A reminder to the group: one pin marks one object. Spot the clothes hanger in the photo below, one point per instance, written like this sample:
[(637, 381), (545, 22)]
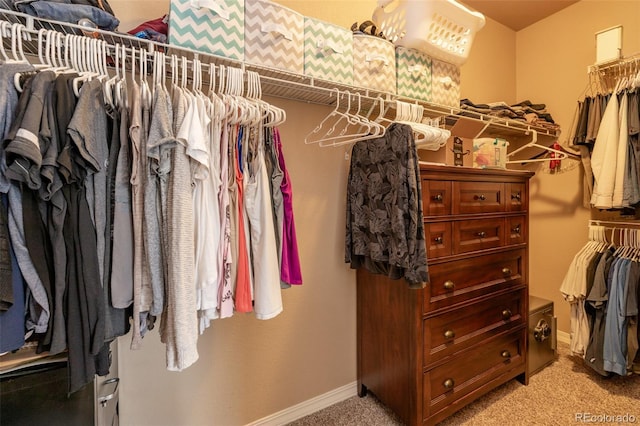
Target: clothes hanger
[(354, 126), (561, 155), (87, 55), (361, 127), (373, 128)]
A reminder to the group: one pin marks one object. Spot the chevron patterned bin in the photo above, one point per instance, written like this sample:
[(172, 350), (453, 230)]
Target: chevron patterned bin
[(413, 70), (374, 63), (212, 26), (445, 83), (328, 51), (274, 36)]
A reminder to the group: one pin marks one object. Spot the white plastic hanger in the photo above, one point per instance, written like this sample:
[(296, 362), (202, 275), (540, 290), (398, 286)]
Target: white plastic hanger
[(368, 130), (354, 126), (561, 155)]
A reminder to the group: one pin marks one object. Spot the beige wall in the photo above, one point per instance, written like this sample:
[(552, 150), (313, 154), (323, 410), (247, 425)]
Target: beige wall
[(551, 60), (249, 369)]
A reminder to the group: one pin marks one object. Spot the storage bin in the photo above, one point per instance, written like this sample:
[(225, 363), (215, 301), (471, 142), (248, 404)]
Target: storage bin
[(413, 71), (490, 153), (374, 63), (328, 51), (211, 26), (445, 83), (274, 36), (442, 29)]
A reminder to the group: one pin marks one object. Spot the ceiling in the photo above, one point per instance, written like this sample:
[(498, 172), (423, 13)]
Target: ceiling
[(518, 14)]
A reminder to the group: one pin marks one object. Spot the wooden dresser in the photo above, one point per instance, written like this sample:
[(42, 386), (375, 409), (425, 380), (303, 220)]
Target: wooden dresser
[(427, 353)]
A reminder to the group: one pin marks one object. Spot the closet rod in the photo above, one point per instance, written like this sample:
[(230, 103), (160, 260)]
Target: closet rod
[(618, 63), (275, 82), (613, 222)]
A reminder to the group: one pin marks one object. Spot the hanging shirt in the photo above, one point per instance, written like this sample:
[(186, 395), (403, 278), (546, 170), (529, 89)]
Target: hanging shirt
[(291, 272), (615, 335), (138, 163), (264, 252), (603, 158), (243, 286), (123, 251), (386, 169), (38, 309), (181, 325), (621, 155)]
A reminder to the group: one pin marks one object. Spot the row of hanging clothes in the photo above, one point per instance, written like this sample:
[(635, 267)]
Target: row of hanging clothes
[(602, 287), (607, 134), (132, 198), (384, 226)]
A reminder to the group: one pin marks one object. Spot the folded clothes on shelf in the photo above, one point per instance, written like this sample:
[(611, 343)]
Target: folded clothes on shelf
[(534, 114)]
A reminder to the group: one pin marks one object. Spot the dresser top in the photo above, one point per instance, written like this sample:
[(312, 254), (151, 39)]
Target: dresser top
[(435, 171)]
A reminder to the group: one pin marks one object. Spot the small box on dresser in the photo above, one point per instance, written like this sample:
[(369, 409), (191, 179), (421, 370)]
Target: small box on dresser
[(215, 27), (328, 51), (274, 36), (413, 70), (426, 353), (374, 63)]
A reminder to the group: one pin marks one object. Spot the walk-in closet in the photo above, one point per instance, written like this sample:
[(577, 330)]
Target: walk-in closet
[(305, 212)]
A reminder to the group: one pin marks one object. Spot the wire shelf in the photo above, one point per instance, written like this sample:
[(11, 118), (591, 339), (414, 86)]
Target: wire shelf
[(275, 83)]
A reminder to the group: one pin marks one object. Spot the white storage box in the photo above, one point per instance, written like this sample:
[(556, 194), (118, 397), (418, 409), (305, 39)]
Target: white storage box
[(443, 29), (328, 51), (212, 26), (413, 70), (374, 63), (274, 36), (445, 83)]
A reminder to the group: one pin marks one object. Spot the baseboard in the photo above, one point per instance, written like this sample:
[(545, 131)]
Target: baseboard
[(308, 407), (564, 337), (332, 397)]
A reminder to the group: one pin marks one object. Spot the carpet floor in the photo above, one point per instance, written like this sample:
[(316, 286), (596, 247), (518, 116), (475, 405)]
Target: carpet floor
[(563, 393)]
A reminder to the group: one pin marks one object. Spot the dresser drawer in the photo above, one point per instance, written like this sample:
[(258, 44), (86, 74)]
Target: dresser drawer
[(458, 329), (517, 197), (439, 241), (478, 234), (452, 381), (516, 230), (436, 197), (478, 197), (458, 281)]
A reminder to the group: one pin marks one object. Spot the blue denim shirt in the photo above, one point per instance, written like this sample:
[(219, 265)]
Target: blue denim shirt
[(66, 11)]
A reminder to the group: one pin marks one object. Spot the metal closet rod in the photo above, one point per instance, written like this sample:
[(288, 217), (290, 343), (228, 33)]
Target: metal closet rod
[(282, 84), (613, 223), (614, 65), (275, 82)]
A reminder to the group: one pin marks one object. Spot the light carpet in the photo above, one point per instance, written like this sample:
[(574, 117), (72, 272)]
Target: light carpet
[(565, 392)]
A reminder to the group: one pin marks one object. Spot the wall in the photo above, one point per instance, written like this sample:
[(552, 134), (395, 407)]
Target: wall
[(249, 369), (551, 60)]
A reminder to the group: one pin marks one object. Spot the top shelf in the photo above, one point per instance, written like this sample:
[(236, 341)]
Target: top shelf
[(278, 83)]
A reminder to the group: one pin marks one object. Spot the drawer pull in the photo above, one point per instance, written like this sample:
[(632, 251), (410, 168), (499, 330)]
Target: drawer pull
[(506, 271), (448, 285), (480, 197), (506, 314), (516, 230), (438, 240), (516, 196), (448, 384), (481, 234), (449, 334), (438, 197), (505, 354)]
